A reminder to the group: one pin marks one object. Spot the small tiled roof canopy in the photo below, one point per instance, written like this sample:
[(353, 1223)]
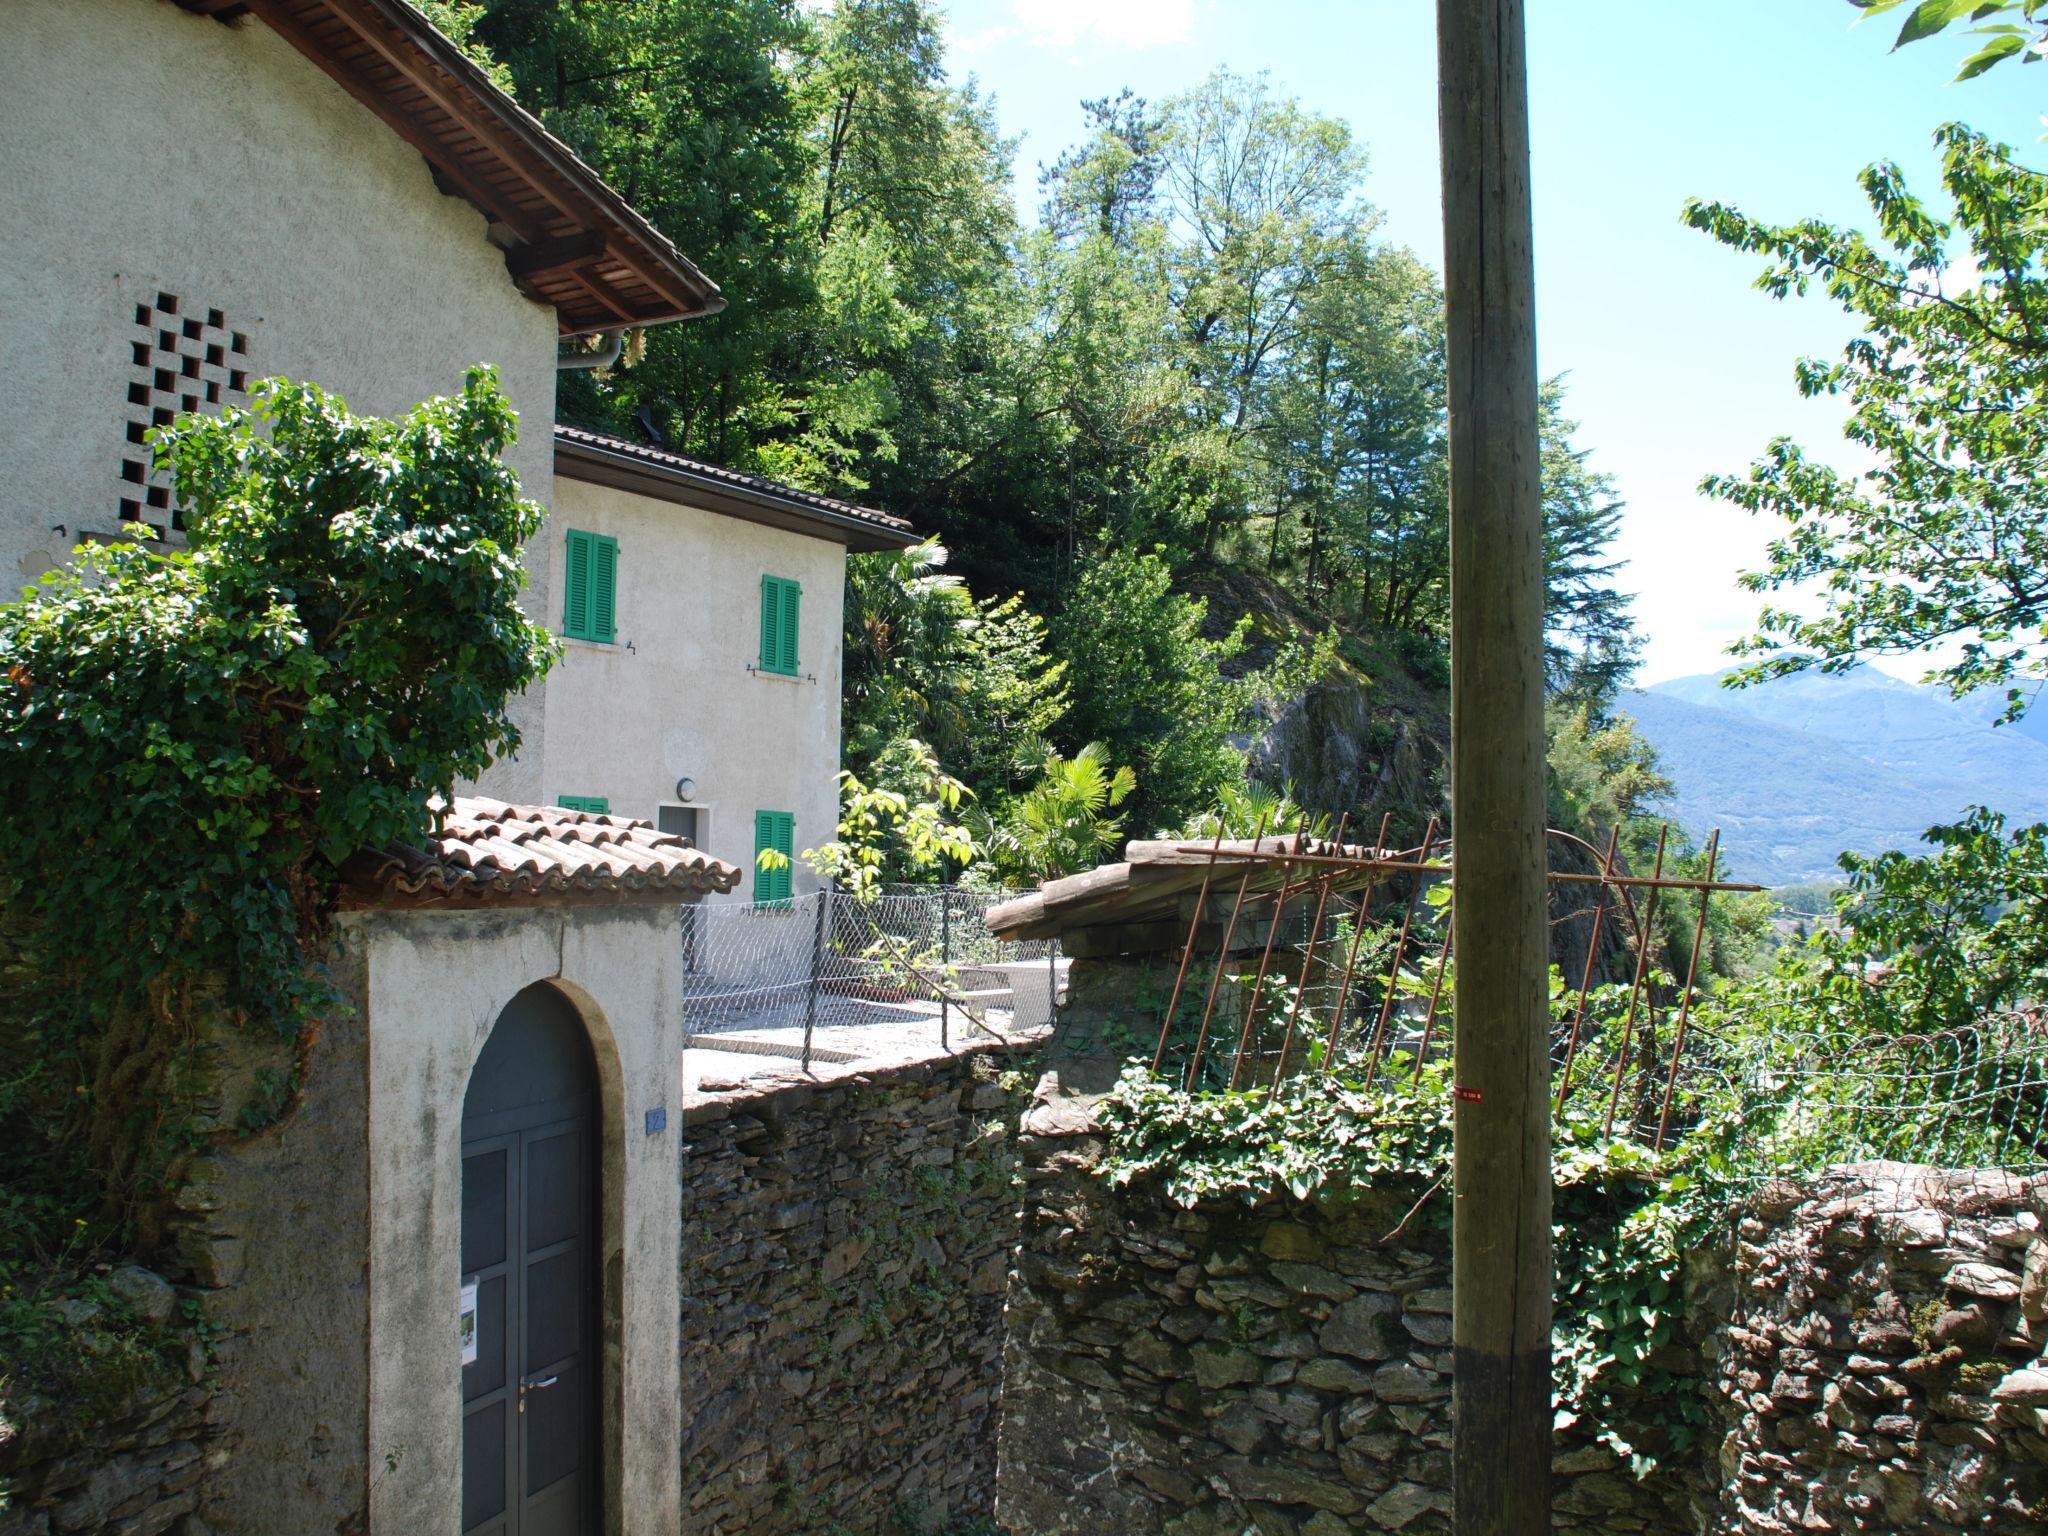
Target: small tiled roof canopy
[(489, 853), (570, 240), (600, 458)]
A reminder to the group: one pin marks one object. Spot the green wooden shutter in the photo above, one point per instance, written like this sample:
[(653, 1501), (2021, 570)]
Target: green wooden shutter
[(604, 588), (792, 598), (576, 598), (590, 605), (785, 844), (771, 624), (595, 805), (776, 830)]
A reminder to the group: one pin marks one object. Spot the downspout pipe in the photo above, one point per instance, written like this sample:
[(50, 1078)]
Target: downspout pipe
[(607, 354)]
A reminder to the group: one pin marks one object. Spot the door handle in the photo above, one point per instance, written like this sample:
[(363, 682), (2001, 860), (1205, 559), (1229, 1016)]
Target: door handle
[(534, 1386)]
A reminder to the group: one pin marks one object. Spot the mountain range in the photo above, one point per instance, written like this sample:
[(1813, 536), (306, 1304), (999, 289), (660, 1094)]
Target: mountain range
[(1798, 769)]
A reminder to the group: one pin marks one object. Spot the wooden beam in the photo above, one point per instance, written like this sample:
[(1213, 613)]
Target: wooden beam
[(1500, 1232), (556, 255), (508, 144), (446, 166), (608, 296)]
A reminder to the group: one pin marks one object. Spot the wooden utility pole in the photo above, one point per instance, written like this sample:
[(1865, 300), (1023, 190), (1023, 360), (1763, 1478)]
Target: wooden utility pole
[(1501, 1262)]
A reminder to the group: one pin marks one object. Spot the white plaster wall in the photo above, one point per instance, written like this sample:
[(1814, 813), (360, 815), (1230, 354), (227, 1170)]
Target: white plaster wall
[(149, 149), (437, 982), (673, 695)]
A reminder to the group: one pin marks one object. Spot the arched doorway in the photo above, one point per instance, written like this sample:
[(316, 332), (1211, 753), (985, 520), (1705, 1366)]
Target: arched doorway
[(530, 1397)]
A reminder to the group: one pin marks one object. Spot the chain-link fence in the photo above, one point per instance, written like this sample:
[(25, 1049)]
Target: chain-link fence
[(1971, 1097), (827, 978)]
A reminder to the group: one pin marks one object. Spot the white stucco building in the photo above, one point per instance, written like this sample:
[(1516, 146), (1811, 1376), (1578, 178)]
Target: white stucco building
[(202, 193), (725, 592), (206, 192)]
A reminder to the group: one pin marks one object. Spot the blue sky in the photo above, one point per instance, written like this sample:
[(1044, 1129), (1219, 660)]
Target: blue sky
[(1677, 366)]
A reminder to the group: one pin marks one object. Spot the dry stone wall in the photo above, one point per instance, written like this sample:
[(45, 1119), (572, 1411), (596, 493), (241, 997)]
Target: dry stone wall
[(1876, 1360), (1282, 1368), (1869, 1345), (845, 1247), (133, 1460)]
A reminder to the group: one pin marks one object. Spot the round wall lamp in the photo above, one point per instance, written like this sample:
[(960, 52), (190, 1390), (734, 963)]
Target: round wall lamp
[(686, 789)]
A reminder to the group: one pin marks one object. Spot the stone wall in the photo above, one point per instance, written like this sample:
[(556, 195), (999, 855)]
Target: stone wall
[(1875, 1356), (845, 1246), (1282, 1368), (130, 1455), (1870, 1346)]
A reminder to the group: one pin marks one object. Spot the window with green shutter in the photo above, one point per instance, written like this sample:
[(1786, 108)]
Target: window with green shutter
[(781, 602), (595, 805), (590, 603), (776, 830)]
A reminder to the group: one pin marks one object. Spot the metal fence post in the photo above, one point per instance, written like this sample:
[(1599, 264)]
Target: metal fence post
[(946, 956), (1052, 982), (817, 972)]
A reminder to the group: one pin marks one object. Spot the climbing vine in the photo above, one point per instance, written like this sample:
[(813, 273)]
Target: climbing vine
[(1625, 1215), (191, 744)]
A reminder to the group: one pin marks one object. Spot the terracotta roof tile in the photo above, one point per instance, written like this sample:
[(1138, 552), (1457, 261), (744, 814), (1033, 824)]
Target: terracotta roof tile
[(488, 851)]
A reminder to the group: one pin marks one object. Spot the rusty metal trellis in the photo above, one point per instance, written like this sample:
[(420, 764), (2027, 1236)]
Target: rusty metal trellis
[(1276, 880)]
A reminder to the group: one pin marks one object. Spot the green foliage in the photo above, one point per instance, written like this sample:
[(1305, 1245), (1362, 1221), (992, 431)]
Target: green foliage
[(1961, 933), (1605, 779), (1066, 822), (2011, 29), (1206, 346), (892, 833), (1151, 686), (1624, 1216), (458, 20), (1248, 810), (927, 660), (1603, 775), (1943, 540), (192, 743)]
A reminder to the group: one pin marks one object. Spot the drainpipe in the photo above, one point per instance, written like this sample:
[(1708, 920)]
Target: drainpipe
[(614, 343)]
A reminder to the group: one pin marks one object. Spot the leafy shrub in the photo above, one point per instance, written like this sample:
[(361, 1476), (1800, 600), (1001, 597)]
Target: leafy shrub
[(1065, 822), (191, 743)]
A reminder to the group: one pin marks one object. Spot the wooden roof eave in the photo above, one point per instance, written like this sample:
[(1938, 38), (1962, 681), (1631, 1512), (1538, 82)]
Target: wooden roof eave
[(576, 204)]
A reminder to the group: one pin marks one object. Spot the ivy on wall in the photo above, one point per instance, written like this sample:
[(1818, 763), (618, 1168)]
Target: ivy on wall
[(1625, 1215), (191, 744)]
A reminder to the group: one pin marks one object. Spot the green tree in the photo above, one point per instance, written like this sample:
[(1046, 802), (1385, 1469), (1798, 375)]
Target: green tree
[(900, 826), (1943, 540), (1107, 184), (1149, 685), (926, 659), (683, 106), (1066, 822), (1590, 643), (1926, 942), (1268, 196)]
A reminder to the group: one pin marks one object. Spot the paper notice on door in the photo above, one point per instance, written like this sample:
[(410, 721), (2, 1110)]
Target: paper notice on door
[(465, 1322)]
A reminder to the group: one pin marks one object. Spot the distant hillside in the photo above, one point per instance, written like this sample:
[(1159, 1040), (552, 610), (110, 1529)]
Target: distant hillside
[(1797, 770)]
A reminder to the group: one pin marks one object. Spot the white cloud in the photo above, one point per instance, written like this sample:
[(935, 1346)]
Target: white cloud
[(1065, 24)]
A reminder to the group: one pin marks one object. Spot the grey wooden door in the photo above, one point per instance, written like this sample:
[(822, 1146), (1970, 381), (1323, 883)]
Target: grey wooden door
[(529, 1400)]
